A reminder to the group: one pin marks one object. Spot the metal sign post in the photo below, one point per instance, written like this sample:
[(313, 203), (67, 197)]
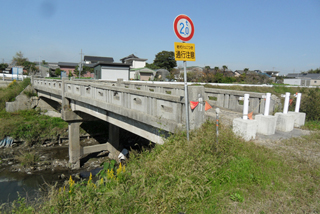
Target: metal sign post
[(184, 30), (186, 97)]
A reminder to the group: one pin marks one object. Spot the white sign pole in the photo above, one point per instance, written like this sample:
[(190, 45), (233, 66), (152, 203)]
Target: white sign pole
[(186, 97)]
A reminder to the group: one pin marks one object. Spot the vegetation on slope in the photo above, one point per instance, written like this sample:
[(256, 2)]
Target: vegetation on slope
[(199, 176), (9, 93)]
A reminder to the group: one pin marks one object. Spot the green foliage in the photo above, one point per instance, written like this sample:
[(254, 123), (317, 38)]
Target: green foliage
[(196, 176), (30, 66), (152, 66), (315, 71), (30, 126), (18, 59), (30, 93), (85, 69), (57, 72), (28, 158), (310, 104), (14, 89), (312, 125), (107, 166), (236, 197), (165, 59), (20, 206), (3, 66)]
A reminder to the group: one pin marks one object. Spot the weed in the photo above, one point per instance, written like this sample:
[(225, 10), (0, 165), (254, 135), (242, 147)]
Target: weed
[(312, 125), (236, 197), (28, 158), (13, 89), (193, 177)]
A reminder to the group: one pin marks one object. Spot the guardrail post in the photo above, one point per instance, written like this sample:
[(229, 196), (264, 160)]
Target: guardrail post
[(298, 103), (267, 104), (245, 106), (286, 103)]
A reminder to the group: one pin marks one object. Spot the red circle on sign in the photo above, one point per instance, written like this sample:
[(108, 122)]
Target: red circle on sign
[(175, 27)]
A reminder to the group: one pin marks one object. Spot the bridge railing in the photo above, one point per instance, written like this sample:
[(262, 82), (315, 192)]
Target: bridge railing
[(229, 99), (144, 103), (115, 91)]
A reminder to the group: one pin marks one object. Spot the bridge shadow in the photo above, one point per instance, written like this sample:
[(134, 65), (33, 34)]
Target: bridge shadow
[(99, 131)]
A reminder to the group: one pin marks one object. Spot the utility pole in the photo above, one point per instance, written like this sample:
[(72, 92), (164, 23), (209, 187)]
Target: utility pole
[(80, 67)]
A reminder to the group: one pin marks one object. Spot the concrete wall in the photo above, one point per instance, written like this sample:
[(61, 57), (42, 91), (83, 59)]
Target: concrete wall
[(315, 82), (292, 81), (138, 64), (22, 102)]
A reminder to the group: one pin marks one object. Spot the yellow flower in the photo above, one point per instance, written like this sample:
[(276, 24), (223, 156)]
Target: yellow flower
[(90, 178), (71, 182), (101, 181)]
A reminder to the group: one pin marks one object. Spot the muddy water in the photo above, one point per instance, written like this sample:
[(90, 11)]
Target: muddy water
[(35, 184), (30, 186)]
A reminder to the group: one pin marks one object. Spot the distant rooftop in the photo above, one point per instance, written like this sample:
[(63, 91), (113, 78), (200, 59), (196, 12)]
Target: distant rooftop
[(94, 59)]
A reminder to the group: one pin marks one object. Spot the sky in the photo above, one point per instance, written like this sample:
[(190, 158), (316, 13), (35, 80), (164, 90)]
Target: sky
[(279, 35)]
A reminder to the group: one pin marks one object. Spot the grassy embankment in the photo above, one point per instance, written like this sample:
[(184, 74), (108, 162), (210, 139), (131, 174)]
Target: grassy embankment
[(201, 176), (28, 125)]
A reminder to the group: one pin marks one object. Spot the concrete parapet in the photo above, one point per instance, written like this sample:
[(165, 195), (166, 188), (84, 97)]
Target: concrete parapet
[(299, 118), (196, 116), (246, 129), (266, 124), (285, 122)]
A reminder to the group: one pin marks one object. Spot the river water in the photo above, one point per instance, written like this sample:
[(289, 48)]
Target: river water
[(31, 185)]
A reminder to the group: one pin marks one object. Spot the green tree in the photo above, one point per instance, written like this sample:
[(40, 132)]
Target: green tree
[(57, 72), (44, 62), (246, 70), (166, 60), (316, 71), (30, 67), (3, 66), (85, 69), (18, 59), (152, 66), (224, 68)]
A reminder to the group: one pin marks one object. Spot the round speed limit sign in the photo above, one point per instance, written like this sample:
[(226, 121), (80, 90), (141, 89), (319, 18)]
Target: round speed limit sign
[(183, 27)]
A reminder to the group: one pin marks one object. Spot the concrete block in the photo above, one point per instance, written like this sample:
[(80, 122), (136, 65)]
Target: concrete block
[(266, 124), (285, 122), (246, 129), (299, 118)]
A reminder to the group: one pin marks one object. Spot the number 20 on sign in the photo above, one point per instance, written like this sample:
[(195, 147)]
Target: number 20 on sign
[(183, 27)]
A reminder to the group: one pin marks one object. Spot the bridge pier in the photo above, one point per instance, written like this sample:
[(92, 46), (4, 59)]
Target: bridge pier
[(74, 144), (113, 144)]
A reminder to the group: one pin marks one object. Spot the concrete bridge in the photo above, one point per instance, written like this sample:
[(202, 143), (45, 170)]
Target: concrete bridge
[(150, 110)]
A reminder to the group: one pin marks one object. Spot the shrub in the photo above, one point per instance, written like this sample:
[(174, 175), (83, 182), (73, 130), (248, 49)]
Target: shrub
[(311, 104)]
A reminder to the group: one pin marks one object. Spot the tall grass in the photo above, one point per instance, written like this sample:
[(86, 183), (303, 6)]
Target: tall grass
[(198, 176), (30, 126), (9, 93)]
